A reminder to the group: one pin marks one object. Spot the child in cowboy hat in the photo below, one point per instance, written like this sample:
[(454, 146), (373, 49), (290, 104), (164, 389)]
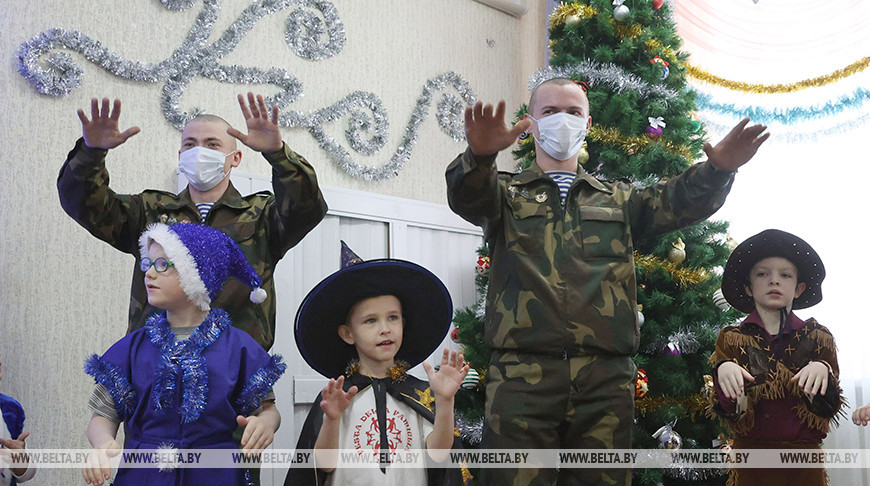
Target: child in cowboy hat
[(188, 378), (363, 327), (775, 375)]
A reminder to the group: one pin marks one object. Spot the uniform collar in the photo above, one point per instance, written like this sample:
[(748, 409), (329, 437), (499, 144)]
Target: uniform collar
[(534, 172), (230, 197)]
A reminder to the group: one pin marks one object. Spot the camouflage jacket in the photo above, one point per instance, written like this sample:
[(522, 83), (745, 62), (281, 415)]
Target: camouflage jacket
[(265, 226), (564, 284)]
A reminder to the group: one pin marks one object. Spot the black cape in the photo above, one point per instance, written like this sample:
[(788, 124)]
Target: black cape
[(406, 391)]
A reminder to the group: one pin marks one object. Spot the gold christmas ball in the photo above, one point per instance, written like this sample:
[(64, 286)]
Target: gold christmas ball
[(583, 156)]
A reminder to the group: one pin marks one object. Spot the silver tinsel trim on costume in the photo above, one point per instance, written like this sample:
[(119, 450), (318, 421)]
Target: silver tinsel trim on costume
[(314, 31), (470, 431), (596, 74)]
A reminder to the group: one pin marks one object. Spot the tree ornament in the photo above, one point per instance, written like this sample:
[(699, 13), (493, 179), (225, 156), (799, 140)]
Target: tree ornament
[(668, 437), (454, 334), (472, 379), (657, 4), (663, 65), (672, 349), (620, 13), (731, 243), (572, 20), (640, 317), (695, 124), (719, 301), (583, 156), (483, 265), (641, 384), (654, 130), (677, 254)]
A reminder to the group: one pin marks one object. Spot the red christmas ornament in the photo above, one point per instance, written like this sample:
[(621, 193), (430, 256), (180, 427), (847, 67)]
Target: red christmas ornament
[(482, 264), (454, 334), (641, 384), (657, 4)]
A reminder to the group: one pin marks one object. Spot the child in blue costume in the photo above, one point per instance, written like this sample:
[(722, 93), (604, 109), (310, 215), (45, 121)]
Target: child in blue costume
[(174, 393), (12, 438)]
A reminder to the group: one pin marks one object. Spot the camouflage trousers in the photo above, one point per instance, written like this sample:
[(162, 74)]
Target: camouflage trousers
[(542, 402)]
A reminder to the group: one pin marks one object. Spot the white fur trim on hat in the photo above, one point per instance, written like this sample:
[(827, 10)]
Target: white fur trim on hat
[(177, 253)]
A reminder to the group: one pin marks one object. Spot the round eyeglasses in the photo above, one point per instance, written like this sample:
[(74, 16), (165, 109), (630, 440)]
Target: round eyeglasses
[(161, 264)]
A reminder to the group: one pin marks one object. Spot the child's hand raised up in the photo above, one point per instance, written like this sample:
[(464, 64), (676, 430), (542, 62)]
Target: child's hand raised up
[(98, 466), (812, 378), (334, 399), (445, 382)]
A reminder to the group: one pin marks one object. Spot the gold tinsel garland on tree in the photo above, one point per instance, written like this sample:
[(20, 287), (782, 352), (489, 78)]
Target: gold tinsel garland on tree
[(693, 404), (684, 277), (816, 82)]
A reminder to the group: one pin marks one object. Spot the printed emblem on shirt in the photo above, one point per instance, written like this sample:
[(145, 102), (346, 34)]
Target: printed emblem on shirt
[(367, 434)]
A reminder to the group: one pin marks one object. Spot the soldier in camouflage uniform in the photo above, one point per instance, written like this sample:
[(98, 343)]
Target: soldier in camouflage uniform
[(264, 225), (561, 309)]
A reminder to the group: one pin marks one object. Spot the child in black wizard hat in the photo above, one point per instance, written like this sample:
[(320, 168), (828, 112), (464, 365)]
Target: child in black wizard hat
[(775, 376), (363, 327)]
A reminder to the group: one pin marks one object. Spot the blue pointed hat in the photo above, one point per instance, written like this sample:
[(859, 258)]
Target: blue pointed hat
[(204, 257), (426, 307)]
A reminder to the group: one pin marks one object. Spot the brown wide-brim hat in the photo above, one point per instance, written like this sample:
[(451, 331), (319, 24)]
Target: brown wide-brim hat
[(426, 307), (772, 243)]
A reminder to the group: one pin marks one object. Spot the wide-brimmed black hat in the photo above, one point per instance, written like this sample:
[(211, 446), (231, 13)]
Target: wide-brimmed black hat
[(426, 307), (772, 243)]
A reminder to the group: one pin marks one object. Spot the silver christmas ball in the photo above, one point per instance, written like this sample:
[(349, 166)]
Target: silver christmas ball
[(620, 13)]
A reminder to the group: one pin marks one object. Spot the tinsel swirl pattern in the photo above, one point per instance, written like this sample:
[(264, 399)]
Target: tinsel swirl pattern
[(116, 383), (450, 113), (313, 31), (816, 82), (684, 277), (611, 75)]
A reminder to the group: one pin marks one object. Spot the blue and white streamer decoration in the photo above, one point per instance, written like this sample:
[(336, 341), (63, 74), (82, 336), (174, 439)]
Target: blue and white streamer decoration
[(313, 31)]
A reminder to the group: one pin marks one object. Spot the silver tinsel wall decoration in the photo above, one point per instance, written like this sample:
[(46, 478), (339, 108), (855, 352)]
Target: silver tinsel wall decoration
[(313, 31), (596, 74), (449, 113)]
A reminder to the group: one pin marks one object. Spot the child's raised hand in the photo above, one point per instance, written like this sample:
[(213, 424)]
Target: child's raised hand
[(101, 131), (98, 466), (15, 445), (334, 399), (257, 436), (862, 415), (731, 377), (445, 382), (812, 378)]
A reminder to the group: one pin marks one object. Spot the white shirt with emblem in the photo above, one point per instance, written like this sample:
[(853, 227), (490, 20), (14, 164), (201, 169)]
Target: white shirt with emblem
[(359, 432)]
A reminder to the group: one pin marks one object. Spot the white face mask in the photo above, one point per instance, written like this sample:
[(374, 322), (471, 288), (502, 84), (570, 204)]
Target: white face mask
[(203, 167), (561, 134)]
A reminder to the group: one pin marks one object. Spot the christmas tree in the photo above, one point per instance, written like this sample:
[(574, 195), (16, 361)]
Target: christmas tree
[(643, 130)]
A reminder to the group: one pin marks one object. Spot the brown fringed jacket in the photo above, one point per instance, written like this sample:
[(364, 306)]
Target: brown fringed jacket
[(777, 409)]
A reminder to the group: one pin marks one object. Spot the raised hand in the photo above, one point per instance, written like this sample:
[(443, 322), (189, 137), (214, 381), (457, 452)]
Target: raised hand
[(486, 131), (737, 147), (445, 382), (731, 378), (101, 131), (264, 134), (334, 399)]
